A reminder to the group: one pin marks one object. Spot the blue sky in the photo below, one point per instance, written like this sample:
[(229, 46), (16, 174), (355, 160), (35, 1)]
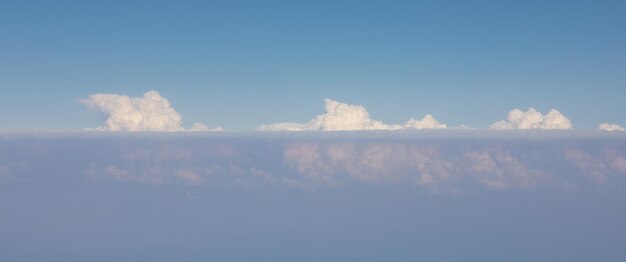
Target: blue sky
[(242, 64), (393, 193)]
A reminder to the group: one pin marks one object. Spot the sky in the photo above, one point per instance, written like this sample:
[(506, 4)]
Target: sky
[(243, 64), (312, 131)]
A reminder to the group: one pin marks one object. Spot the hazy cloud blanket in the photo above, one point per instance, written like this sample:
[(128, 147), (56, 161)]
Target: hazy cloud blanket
[(332, 196), (454, 162)]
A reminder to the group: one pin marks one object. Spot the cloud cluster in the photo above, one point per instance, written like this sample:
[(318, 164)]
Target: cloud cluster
[(344, 117), (151, 112), (532, 119), (610, 127)]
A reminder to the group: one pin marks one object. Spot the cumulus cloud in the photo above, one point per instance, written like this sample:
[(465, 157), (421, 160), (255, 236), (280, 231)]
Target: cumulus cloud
[(151, 112), (532, 119), (610, 127), (428, 122), (340, 116)]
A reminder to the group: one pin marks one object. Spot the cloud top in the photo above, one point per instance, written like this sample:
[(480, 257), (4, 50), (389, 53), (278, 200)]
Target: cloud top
[(345, 117), (610, 127), (151, 112), (533, 119), (428, 122)]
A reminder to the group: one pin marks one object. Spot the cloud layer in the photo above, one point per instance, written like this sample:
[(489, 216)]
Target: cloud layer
[(151, 112), (344, 117), (532, 119), (123, 191), (431, 162)]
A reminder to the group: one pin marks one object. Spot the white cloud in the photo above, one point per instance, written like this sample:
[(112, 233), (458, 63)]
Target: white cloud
[(532, 119), (610, 127), (341, 116), (152, 112), (199, 127), (428, 122)]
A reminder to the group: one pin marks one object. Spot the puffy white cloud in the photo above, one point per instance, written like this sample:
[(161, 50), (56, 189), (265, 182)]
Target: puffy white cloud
[(340, 116), (151, 112), (532, 119), (610, 127), (428, 122)]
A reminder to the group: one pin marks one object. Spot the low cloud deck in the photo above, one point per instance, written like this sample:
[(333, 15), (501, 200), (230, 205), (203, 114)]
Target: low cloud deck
[(437, 161), (344, 196)]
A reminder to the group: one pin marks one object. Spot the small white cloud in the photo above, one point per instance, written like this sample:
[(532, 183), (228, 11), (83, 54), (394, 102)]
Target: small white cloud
[(532, 119), (340, 116), (152, 112), (610, 127), (199, 127), (428, 122)]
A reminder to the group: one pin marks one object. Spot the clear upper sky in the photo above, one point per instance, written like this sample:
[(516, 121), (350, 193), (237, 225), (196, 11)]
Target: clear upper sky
[(240, 64)]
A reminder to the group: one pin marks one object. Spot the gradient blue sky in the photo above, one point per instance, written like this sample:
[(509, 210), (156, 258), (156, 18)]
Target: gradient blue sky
[(240, 64)]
